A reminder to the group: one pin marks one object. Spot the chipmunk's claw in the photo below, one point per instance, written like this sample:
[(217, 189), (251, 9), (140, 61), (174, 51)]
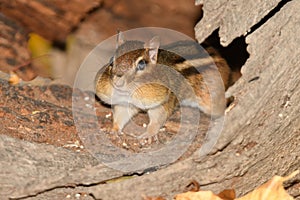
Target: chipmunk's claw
[(114, 130)]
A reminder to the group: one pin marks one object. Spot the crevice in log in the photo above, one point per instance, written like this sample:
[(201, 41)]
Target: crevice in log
[(268, 16), (235, 54), (59, 187)]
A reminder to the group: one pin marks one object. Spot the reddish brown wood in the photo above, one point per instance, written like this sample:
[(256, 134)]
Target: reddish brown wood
[(13, 47), (52, 19)]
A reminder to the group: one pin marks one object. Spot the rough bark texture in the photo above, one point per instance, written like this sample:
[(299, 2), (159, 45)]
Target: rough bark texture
[(88, 22), (260, 137), (53, 20), (233, 18), (13, 48), (261, 134), (28, 168)]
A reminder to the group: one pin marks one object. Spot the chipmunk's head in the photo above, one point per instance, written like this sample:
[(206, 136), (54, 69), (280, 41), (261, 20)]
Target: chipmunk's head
[(134, 72)]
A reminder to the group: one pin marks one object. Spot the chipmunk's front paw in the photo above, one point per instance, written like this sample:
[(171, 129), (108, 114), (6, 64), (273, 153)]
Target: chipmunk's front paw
[(114, 129)]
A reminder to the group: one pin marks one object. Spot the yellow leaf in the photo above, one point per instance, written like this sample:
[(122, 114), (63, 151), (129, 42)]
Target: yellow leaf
[(271, 190), (40, 51), (38, 45), (202, 195), (71, 40)]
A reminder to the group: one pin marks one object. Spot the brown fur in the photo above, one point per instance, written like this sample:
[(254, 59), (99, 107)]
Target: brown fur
[(166, 80)]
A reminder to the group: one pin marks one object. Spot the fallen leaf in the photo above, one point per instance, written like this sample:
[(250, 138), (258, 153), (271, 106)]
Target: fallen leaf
[(40, 51), (153, 198), (202, 195), (271, 190), (228, 194), (38, 45), (193, 186)]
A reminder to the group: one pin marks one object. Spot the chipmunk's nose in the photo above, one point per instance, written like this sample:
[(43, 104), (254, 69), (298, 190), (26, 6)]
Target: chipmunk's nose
[(118, 81)]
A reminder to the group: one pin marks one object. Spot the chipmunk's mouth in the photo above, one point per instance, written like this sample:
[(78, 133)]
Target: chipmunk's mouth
[(120, 96), (122, 91)]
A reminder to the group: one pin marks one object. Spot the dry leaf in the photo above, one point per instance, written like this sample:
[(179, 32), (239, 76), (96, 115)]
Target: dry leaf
[(193, 186), (271, 190), (228, 194), (40, 51), (202, 195), (154, 198)]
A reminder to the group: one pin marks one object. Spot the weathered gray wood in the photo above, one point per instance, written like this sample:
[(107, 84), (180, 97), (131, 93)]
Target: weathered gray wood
[(29, 168), (261, 134), (260, 137), (264, 125), (234, 17)]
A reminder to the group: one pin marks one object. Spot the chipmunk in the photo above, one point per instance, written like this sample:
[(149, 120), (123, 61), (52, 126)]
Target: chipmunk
[(151, 78)]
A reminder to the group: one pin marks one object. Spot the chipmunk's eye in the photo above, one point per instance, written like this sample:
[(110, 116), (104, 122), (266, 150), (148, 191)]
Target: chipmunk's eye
[(141, 65)]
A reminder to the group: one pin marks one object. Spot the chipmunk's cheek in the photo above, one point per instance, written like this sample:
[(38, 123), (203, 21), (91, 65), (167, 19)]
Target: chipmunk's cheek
[(149, 96), (104, 90)]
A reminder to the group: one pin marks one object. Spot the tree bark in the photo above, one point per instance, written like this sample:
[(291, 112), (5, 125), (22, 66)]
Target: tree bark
[(13, 47), (260, 136), (233, 18), (53, 20)]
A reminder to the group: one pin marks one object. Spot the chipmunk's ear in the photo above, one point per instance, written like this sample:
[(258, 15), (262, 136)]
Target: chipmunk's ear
[(152, 47), (120, 38)]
